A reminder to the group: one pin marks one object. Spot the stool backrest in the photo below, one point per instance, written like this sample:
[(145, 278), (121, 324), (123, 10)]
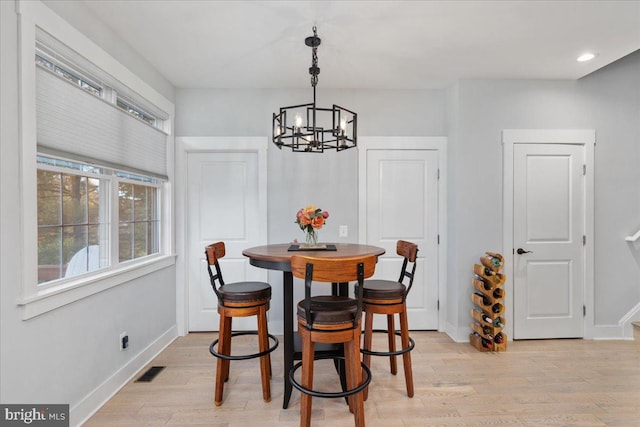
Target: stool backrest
[(409, 251), (333, 270), (214, 252)]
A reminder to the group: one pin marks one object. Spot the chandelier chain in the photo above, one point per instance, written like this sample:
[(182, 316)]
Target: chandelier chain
[(314, 59)]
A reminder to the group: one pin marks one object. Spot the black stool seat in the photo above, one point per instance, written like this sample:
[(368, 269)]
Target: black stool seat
[(383, 289), (343, 310), (245, 292)]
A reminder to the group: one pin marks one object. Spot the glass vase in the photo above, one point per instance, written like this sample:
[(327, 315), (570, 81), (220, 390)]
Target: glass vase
[(311, 237)]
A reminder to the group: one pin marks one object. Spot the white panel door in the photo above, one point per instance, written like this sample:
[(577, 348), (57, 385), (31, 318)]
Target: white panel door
[(223, 205), (549, 215), (402, 204)]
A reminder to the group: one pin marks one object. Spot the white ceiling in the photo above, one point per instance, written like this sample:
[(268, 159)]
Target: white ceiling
[(371, 44)]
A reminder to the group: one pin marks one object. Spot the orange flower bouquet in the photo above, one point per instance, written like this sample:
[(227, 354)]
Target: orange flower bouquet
[(310, 219)]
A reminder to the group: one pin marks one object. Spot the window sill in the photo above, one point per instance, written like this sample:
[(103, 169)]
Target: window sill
[(51, 298)]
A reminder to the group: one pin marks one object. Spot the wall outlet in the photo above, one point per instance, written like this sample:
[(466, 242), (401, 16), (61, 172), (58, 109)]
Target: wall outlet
[(124, 341), (343, 231)]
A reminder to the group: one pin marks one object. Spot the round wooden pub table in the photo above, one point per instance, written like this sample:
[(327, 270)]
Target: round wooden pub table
[(278, 257)]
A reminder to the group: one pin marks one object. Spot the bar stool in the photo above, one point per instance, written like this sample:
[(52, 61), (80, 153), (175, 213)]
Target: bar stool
[(240, 299), (389, 298), (331, 320)]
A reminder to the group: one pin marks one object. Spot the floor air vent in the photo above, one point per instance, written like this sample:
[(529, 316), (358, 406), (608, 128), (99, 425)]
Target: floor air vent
[(151, 373)]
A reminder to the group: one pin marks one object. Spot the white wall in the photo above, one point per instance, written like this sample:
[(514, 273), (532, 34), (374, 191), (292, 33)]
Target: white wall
[(328, 180), (472, 114), (71, 354), (76, 14), (614, 96), (608, 101), (485, 108)]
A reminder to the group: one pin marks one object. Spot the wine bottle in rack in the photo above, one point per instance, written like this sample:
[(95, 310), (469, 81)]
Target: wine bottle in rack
[(481, 317), (485, 342), (482, 285), (497, 259), (485, 331), (498, 322), (497, 308), (480, 300), (489, 275), (494, 263), (498, 293), (499, 339)]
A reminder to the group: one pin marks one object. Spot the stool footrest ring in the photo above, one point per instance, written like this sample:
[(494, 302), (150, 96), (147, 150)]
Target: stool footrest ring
[(243, 356), (412, 344), (327, 394)]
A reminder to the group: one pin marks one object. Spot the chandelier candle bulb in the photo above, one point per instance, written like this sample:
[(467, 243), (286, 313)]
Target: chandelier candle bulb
[(343, 126)]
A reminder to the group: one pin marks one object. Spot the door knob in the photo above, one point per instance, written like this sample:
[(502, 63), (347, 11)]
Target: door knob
[(521, 251)]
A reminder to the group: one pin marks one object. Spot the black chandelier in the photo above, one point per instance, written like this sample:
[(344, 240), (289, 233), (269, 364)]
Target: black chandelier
[(307, 128)]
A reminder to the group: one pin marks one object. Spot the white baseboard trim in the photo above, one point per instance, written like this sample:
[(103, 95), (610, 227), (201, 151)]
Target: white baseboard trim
[(457, 334), (610, 332), (632, 316), (622, 331), (88, 406)]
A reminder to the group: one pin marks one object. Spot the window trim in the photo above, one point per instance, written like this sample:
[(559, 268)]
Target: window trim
[(116, 222), (113, 179), (110, 89), (107, 94), (33, 17), (52, 297)]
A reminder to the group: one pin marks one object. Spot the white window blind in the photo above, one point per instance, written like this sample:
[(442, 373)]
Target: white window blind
[(77, 124)]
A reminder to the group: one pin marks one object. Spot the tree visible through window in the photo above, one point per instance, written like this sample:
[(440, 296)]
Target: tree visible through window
[(74, 234), (69, 223), (138, 221)]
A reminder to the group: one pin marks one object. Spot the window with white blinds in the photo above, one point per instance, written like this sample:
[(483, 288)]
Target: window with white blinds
[(96, 166), (77, 124), (98, 148)]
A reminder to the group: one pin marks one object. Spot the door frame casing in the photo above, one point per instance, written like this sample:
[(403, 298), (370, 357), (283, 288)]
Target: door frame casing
[(434, 143), (585, 138), (207, 144)]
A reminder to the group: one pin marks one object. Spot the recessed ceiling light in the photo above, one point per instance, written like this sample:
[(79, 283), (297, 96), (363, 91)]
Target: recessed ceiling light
[(588, 56)]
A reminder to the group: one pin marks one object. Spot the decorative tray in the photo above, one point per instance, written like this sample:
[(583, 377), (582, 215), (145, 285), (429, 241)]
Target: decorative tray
[(318, 247)]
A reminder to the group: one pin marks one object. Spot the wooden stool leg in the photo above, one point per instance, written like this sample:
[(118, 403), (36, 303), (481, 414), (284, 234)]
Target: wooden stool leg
[(263, 345), (307, 375), (368, 334), (354, 377), (391, 334), (227, 346), (221, 375), (406, 358)]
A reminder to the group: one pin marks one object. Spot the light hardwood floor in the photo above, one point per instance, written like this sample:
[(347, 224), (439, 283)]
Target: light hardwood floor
[(534, 383)]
